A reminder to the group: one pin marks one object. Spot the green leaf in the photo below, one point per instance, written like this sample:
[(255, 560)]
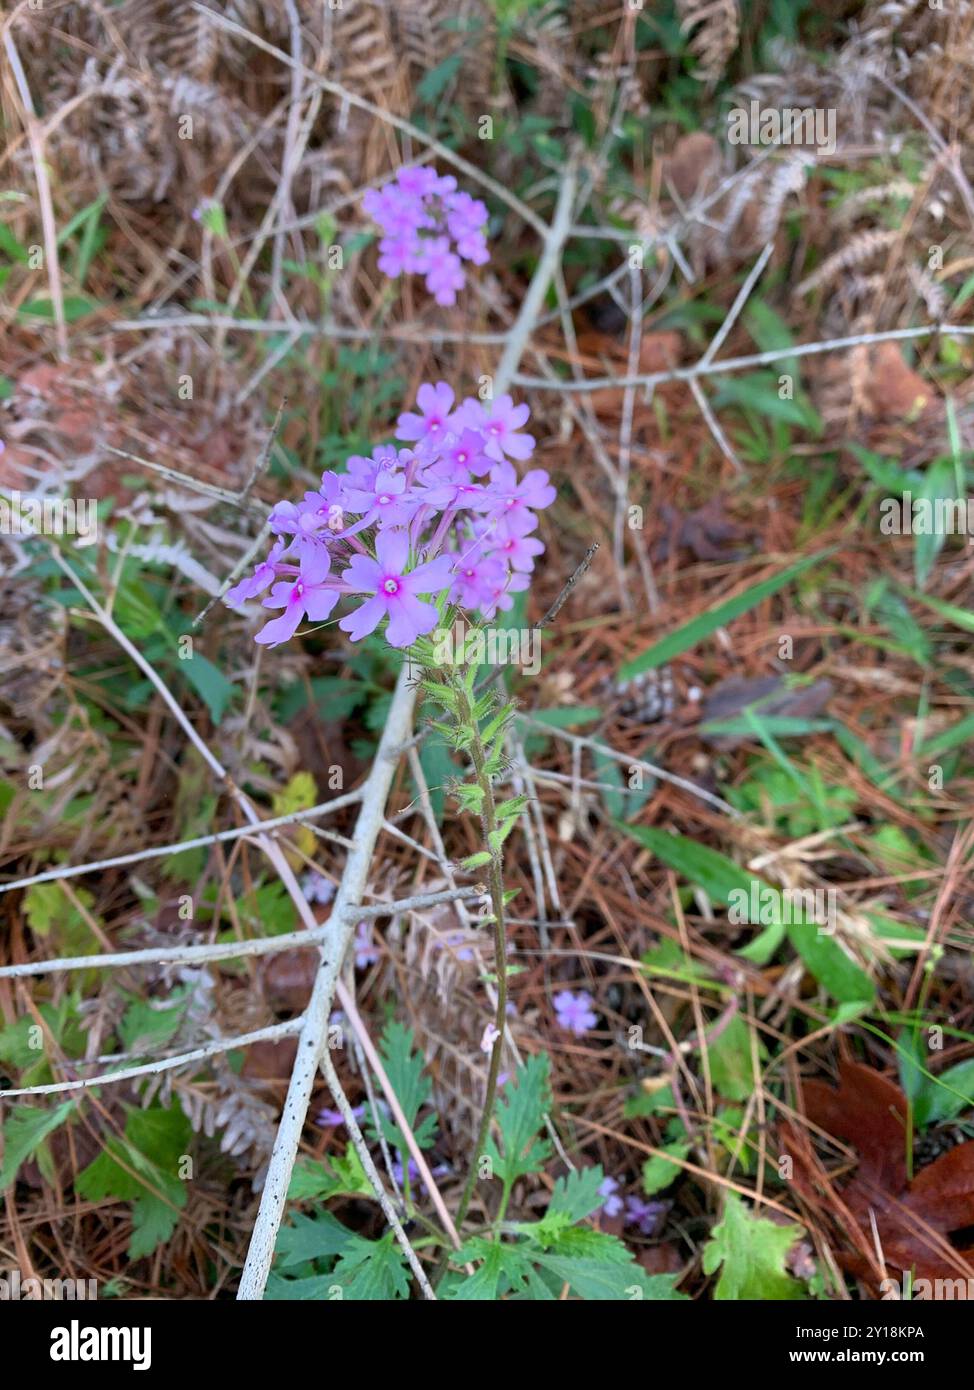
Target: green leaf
[(24, 1131), (939, 485), (436, 80), (210, 684), (470, 796), (151, 1023), (372, 1270), (960, 617), (75, 307), (949, 1094), (830, 965), (312, 1238), (52, 911), (476, 861), (598, 1266), (142, 1167), (43, 904), (731, 1068), (404, 1067), (705, 623), (715, 873), (659, 1172), (758, 391), (335, 1176), (577, 1195), (503, 1269), (750, 1253), (521, 1111)]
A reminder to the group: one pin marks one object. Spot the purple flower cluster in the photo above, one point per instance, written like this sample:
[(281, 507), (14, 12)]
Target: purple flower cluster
[(429, 228), (446, 519), (646, 1216)]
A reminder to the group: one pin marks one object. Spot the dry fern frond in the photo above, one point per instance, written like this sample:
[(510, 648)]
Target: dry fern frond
[(789, 177), (717, 23), (930, 291), (862, 248), (448, 1010), (857, 204)]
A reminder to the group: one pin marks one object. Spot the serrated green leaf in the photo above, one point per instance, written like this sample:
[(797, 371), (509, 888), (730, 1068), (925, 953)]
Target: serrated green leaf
[(372, 1271), (332, 1177), (320, 1237), (577, 1194), (659, 1172), (476, 861), (503, 1268), (750, 1252), (142, 1167), (521, 1111), (405, 1070), (24, 1131), (471, 797)]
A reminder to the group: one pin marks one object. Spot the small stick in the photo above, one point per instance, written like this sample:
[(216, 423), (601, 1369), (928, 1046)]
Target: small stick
[(263, 459), (560, 601)]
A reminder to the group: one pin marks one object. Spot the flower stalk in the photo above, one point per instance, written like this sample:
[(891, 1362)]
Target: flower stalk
[(475, 725)]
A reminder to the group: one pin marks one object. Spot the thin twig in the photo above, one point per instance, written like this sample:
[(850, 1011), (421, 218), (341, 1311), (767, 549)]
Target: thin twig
[(372, 1173), (629, 761), (562, 598), (198, 1054), (326, 808), (739, 364), (230, 950)]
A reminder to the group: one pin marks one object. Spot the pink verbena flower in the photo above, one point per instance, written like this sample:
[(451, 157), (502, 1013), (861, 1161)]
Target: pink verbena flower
[(414, 529), (311, 594), (429, 228), (434, 418), (395, 590), (264, 573), (499, 421)]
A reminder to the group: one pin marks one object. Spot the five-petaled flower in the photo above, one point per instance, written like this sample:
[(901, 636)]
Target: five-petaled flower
[(575, 1011), (395, 589)]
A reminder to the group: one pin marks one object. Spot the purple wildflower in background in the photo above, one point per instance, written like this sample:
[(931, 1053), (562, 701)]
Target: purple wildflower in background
[(440, 1170), (316, 888), (333, 1119), (575, 1011), (646, 1216), (611, 1204), (409, 532), (365, 952), (455, 942), (429, 228)]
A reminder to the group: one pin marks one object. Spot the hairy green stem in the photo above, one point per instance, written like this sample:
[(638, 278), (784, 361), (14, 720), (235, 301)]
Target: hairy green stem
[(496, 886)]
